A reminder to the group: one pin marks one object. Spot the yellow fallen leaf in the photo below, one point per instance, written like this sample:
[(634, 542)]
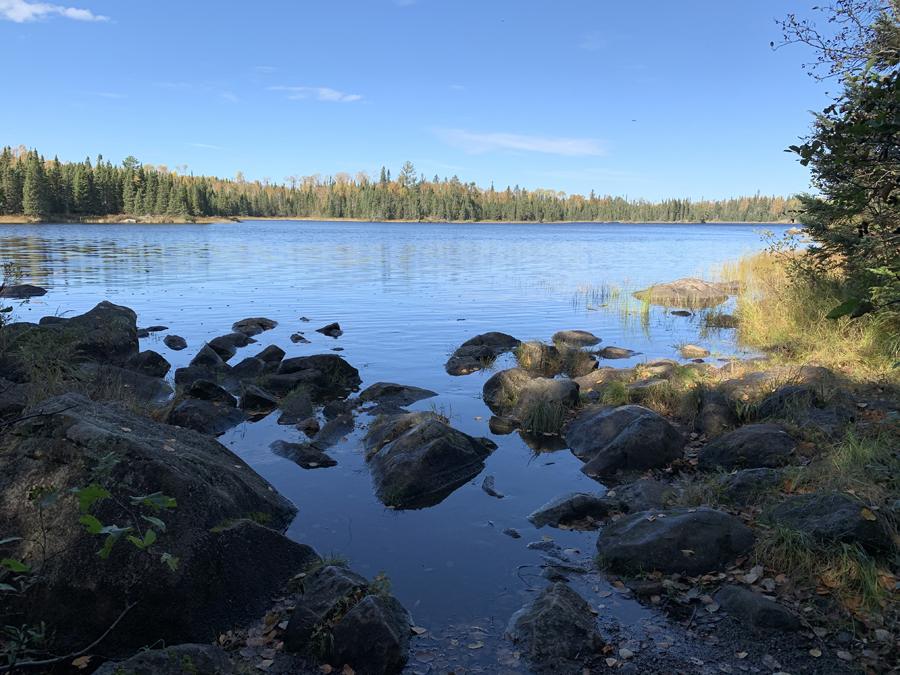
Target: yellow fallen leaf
[(348, 670), (326, 669), (81, 662), (418, 630), (654, 598), (815, 653), (546, 538), (476, 645), (611, 662), (267, 663), (845, 656), (868, 515), (168, 448), (126, 430), (742, 655), (686, 552), (477, 418)]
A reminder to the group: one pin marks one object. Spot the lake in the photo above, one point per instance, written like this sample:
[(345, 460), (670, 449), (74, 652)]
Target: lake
[(406, 295)]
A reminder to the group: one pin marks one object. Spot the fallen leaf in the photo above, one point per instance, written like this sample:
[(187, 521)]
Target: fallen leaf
[(845, 656), (592, 610), (418, 630), (815, 653), (654, 598), (267, 663), (820, 632), (686, 552), (477, 418), (868, 515), (168, 448), (126, 430), (696, 661), (742, 655), (476, 645), (770, 661), (612, 662), (326, 669), (651, 518), (625, 653), (546, 538), (81, 662), (604, 594), (348, 670)]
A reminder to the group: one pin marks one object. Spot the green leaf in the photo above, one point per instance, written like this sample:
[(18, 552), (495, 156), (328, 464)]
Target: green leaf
[(91, 524), (843, 309), (114, 533), (87, 496), (6, 310), (157, 500), (15, 565), (105, 464), (9, 539), (155, 521), (169, 560), (8, 588), (149, 538)]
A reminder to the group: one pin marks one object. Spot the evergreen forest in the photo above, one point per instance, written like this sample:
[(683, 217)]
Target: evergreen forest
[(32, 187)]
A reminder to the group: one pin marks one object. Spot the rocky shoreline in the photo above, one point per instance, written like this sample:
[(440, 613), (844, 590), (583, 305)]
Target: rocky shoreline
[(118, 452)]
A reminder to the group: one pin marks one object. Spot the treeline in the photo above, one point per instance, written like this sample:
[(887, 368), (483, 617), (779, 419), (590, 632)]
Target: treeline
[(36, 188)]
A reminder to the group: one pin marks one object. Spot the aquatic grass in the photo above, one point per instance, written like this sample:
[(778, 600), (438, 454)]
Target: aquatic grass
[(544, 418)]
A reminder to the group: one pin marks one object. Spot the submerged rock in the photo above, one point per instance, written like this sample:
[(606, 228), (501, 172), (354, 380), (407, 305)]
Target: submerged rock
[(687, 293), (208, 358), (395, 394), (175, 342), (303, 454), (564, 509)]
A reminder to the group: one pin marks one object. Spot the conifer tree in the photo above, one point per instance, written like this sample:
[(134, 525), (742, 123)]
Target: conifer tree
[(35, 197)]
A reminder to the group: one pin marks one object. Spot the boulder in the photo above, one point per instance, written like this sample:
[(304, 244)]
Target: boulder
[(13, 400), (426, 463), (600, 378), (787, 402), (556, 633), (538, 357), (185, 377), (564, 509), (469, 359), (502, 389), (22, 291), (224, 348), (236, 339), (750, 447), (340, 376), (388, 429), (209, 359), (499, 342), (576, 338), (337, 408), (615, 353), (754, 610), (721, 321), (254, 400), (681, 541), (646, 494), (245, 371), (746, 486), (312, 382), (192, 659), (373, 637), (623, 439), (832, 516), (304, 455), (251, 327), (331, 330), (297, 409), (107, 334), (490, 487), (175, 342), (272, 354), (109, 383), (394, 394), (687, 293), (693, 352), (79, 594), (755, 385), (716, 414), (148, 363), (210, 391), (542, 391), (827, 423), (206, 416)]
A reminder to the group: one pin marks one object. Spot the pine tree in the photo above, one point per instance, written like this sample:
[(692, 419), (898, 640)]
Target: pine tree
[(35, 198)]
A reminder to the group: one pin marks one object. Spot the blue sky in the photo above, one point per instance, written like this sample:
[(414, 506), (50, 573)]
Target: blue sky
[(649, 98)]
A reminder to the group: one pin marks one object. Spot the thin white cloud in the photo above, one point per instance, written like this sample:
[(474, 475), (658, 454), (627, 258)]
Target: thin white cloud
[(593, 42), (320, 93), (554, 145), (204, 145), (229, 96), (21, 11), (456, 86)]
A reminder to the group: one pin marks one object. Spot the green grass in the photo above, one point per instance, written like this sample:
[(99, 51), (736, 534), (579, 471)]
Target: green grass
[(544, 418)]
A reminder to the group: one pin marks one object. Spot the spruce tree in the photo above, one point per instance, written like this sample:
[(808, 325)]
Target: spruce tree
[(35, 198)]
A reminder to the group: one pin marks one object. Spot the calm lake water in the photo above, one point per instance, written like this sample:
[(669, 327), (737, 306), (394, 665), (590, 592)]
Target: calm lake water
[(405, 295)]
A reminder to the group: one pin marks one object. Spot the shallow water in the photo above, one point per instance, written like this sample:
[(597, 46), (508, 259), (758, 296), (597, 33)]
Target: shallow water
[(405, 295)]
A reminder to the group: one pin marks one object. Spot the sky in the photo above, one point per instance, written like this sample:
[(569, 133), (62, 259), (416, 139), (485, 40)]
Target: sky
[(648, 99)]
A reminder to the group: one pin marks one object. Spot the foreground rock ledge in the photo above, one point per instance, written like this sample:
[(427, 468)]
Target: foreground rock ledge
[(79, 594)]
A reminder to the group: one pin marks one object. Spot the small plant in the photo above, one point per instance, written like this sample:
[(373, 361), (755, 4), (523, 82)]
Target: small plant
[(614, 393), (544, 418), (394, 497)]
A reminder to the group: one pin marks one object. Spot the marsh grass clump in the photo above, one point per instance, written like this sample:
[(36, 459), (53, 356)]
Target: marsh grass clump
[(303, 389), (544, 418), (614, 393)]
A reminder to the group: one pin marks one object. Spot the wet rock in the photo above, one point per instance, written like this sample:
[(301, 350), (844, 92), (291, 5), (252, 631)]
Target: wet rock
[(311, 381), (512, 532), (297, 409), (255, 326), (197, 659), (185, 377), (106, 334), (245, 371), (693, 352), (340, 376), (143, 333), (564, 509), (626, 438), (309, 426), (323, 590), (751, 447), (466, 360), (389, 429), (828, 423), (224, 348), (683, 541), (645, 495), (557, 632), (373, 637), (395, 394), (716, 414), (615, 353), (175, 342), (746, 486), (831, 516), (214, 490), (788, 401), (22, 291), (489, 487), (498, 342), (542, 391), (754, 385), (502, 426), (721, 321), (638, 391), (210, 391), (600, 378), (687, 293), (255, 400), (271, 354), (754, 610), (425, 464), (331, 330), (576, 338), (334, 431), (501, 391), (298, 338), (538, 357), (156, 329), (209, 359), (336, 408), (681, 312), (303, 454), (109, 383), (238, 340), (206, 417), (148, 363)]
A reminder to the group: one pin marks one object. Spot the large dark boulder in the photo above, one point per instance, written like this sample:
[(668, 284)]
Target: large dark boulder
[(394, 394), (646, 494), (825, 423), (748, 485), (210, 391), (680, 541), (190, 659), (22, 291), (312, 382), (687, 293), (209, 359), (110, 383), (576, 338), (373, 637), (303, 455), (753, 610), (272, 355), (557, 632), (341, 378), (254, 326), (600, 378), (751, 447), (466, 360), (788, 401), (185, 377), (224, 348), (716, 414), (175, 342), (832, 516), (502, 389), (426, 463), (149, 363), (623, 439), (80, 594), (499, 342), (206, 417), (246, 371), (564, 509), (254, 400), (385, 430), (323, 592)]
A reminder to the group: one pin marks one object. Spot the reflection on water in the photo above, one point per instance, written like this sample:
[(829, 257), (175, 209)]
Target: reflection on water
[(404, 295)]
